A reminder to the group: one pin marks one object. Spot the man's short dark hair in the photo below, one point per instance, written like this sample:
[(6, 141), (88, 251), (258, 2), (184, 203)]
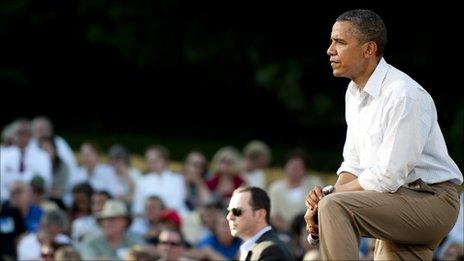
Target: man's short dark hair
[(369, 25), (259, 200)]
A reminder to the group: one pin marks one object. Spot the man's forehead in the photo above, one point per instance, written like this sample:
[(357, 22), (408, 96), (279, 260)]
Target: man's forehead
[(239, 199), (342, 30)]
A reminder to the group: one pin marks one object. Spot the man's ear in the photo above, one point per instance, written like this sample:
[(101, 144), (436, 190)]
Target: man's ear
[(262, 213), (370, 49)]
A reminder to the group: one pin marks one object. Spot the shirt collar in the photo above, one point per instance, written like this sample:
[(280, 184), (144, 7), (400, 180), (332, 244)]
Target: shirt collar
[(374, 84), (248, 245)]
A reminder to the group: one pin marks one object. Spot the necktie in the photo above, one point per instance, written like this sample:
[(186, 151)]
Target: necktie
[(21, 162)]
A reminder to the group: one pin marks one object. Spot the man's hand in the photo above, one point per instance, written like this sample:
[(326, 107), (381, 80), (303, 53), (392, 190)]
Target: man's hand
[(311, 227), (312, 200), (313, 197)]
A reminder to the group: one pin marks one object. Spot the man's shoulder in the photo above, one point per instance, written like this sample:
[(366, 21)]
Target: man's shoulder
[(270, 247), (277, 185), (400, 85)]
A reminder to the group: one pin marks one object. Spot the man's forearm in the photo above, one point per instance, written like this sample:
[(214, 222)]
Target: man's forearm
[(345, 177), (347, 182)]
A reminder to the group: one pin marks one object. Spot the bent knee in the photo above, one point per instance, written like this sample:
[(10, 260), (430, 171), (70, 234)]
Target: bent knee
[(331, 202)]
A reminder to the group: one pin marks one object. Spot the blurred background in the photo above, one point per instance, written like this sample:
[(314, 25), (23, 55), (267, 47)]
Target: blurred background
[(202, 75)]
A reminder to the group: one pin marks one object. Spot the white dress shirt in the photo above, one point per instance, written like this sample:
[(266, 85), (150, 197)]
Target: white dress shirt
[(29, 246), (63, 150), (168, 185), (248, 245), (103, 177), (393, 136), (36, 162), (82, 228), (255, 178)]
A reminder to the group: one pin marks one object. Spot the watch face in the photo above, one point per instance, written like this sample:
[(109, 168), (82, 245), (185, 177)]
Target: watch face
[(327, 189)]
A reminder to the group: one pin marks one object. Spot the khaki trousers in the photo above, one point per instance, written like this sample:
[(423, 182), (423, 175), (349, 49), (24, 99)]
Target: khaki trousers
[(407, 224)]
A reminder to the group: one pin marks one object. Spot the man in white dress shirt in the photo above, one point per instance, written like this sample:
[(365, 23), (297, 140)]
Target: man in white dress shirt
[(161, 182), (397, 182), (42, 127), (22, 161)]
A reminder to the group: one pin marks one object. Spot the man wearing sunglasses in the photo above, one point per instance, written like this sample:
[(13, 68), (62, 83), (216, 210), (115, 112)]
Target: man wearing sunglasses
[(248, 216)]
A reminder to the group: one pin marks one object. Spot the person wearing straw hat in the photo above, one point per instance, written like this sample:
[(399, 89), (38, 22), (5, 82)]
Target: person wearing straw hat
[(115, 240)]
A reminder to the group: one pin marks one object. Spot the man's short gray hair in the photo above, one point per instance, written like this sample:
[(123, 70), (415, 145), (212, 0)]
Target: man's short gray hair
[(369, 25), (55, 218)]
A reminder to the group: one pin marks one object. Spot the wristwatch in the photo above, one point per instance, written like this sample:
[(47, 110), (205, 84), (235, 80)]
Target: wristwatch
[(327, 190)]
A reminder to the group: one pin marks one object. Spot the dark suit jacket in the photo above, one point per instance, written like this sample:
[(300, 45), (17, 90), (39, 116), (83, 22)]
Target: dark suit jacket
[(269, 247)]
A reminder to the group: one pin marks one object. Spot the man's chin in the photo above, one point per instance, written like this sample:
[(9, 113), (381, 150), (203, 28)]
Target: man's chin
[(233, 232), (337, 73)]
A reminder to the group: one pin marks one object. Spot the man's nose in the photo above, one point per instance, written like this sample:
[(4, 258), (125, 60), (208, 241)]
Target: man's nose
[(229, 216), (330, 50)]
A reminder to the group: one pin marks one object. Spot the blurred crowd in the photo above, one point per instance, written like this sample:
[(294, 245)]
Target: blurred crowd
[(53, 208)]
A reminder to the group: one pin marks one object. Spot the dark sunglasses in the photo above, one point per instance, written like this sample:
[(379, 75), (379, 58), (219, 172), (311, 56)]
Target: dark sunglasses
[(236, 211), (171, 243)]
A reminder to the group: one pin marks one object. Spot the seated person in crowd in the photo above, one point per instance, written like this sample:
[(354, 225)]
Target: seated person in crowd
[(126, 175), (87, 226), (197, 193), (115, 240), (81, 204), (200, 223), (221, 241), (53, 225), (288, 194), (39, 196), (257, 157), (147, 225), (160, 181), (22, 162), (21, 198), (225, 169), (11, 227), (42, 128), (99, 175), (60, 170)]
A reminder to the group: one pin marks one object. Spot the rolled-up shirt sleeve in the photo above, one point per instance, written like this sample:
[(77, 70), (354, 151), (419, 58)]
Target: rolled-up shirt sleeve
[(400, 148), (350, 156)]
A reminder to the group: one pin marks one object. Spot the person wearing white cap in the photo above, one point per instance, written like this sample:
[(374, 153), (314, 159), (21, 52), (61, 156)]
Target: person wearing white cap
[(115, 241)]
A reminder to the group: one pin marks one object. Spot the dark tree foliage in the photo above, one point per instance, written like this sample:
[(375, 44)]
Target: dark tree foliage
[(216, 70)]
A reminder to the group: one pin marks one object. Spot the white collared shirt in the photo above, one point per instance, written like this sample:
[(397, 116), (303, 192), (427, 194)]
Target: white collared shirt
[(248, 245), (168, 185), (36, 162), (393, 136)]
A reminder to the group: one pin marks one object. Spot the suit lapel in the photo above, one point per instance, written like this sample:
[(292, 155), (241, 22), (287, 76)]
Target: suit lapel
[(266, 236)]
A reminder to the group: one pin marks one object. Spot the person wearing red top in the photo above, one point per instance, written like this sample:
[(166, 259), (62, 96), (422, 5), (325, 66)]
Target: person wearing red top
[(225, 167)]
